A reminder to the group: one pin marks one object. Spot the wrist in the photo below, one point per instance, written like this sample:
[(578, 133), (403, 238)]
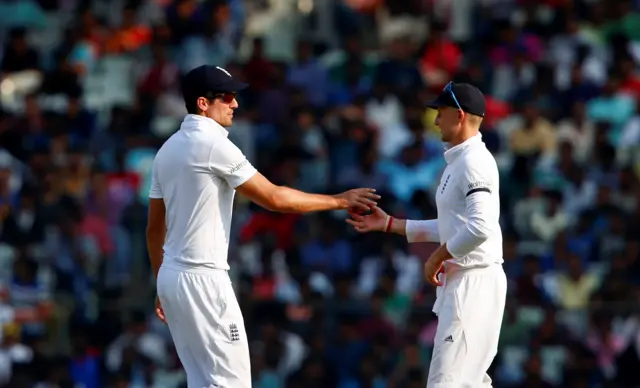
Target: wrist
[(388, 224), (441, 254), (341, 203)]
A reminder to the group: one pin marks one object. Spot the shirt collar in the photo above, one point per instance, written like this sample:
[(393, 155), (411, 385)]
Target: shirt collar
[(452, 153), (192, 121)]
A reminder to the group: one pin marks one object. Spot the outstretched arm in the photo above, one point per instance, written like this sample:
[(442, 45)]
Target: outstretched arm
[(287, 200), (226, 161), (378, 220)]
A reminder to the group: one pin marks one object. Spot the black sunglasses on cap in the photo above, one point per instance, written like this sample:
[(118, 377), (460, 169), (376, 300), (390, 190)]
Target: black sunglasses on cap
[(464, 97), (449, 89)]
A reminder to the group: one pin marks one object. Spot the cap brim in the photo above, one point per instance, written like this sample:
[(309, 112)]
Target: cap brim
[(441, 101), (435, 104), (234, 86)]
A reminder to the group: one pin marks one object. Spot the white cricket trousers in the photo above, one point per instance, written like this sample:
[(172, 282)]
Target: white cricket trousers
[(470, 310), (207, 327)]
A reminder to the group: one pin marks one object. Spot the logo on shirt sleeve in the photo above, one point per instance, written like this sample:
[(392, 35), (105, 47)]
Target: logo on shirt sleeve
[(238, 166), (477, 187)]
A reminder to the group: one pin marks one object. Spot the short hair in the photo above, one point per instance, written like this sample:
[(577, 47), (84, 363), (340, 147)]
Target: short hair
[(474, 120), (192, 105)]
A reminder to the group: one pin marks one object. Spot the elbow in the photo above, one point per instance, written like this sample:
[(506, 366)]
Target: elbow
[(480, 230), (265, 194), (276, 201), (280, 201), (274, 207)]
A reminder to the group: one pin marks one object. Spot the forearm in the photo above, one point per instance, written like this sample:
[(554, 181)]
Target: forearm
[(422, 231), (398, 226), (482, 222), (155, 242), (288, 200), (416, 231), (465, 241)]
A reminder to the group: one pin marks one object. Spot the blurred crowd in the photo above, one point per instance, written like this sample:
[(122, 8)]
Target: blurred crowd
[(90, 89)]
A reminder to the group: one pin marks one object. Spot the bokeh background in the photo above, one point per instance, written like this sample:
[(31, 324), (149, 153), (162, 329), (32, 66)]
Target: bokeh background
[(90, 89)]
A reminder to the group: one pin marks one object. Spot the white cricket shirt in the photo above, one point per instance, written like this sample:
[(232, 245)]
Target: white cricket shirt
[(468, 203), (196, 172)]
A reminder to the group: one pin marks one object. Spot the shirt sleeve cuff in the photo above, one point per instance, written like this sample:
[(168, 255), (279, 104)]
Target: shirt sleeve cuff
[(241, 176), (422, 231)]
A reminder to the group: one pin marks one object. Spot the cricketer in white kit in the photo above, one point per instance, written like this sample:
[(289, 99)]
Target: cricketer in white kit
[(194, 179), (472, 290)]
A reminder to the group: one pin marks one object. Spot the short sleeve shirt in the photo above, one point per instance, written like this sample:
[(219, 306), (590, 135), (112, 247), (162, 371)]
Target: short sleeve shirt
[(196, 172)]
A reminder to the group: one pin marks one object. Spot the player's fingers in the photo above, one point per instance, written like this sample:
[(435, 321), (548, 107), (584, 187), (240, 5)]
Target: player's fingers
[(429, 276), (357, 217), (433, 280), (373, 196), (378, 212), (369, 193), (361, 206), (368, 203), (160, 314), (357, 226), (366, 197), (353, 222), (353, 213)]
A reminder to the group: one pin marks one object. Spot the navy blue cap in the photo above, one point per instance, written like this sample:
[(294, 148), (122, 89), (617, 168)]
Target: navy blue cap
[(469, 98), (207, 81)]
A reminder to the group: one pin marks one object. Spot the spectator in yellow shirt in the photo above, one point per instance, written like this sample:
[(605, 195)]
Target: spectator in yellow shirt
[(576, 286), (537, 135)]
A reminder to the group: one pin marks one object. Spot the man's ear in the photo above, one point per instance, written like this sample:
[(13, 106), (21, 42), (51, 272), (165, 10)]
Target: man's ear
[(202, 103)]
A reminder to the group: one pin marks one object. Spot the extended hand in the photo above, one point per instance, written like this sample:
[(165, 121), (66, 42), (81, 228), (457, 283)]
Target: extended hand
[(431, 270), (376, 221), (360, 199), (435, 263)]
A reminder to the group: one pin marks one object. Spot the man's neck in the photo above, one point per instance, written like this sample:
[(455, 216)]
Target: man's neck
[(465, 134), (203, 116)]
